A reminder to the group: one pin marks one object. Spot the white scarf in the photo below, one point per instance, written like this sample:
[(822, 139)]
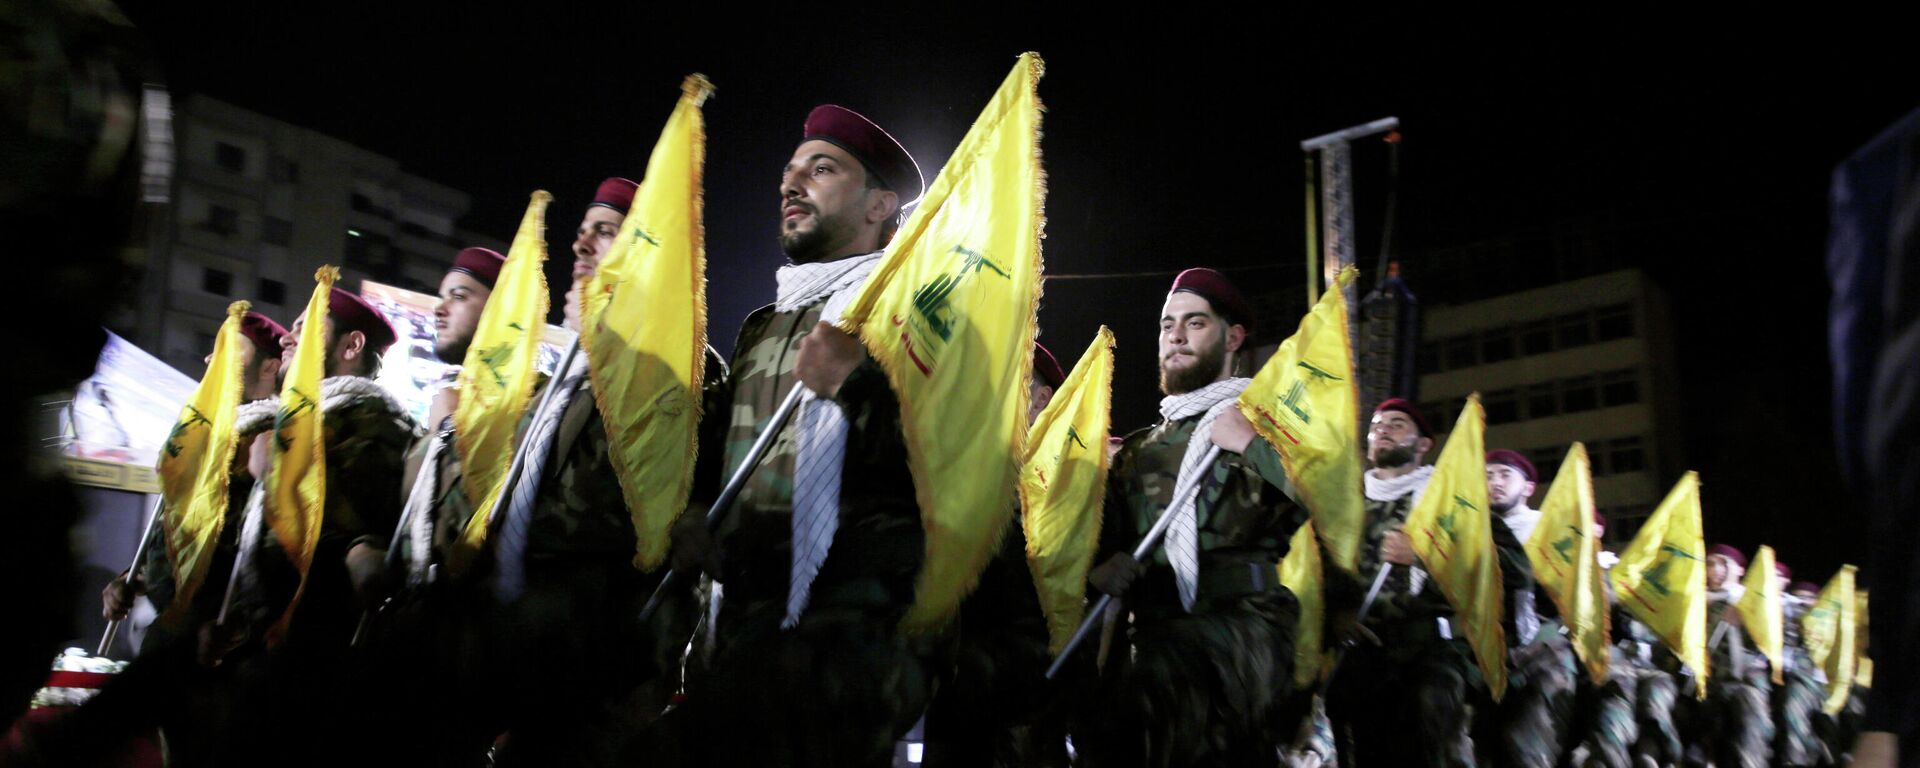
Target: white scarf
[(1183, 541), (820, 449), (1393, 489)]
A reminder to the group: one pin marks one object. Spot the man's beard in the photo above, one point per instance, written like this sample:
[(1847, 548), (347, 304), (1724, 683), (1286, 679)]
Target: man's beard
[(806, 246), (1390, 458), (452, 351), (1204, 370), (1503, 507)]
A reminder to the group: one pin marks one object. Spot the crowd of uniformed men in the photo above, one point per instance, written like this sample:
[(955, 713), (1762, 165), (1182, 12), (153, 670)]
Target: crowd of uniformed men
[(539, 654)]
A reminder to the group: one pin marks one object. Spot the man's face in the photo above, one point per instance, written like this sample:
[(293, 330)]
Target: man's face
[(457, 316), (595, 237), (1193, 344), (1393, 440), (824, 201), (1039, 393), (1507, 487), (1718, 569), (1805, 594), (290, 343)]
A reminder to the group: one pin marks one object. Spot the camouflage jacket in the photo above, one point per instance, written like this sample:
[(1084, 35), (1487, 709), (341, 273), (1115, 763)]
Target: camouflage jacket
[(1245, 517), (1401, 615), (579, 508), (367, 436), (1731, 653), (878, 548)]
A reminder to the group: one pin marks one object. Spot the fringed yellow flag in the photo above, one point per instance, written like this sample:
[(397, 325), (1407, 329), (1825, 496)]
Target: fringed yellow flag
[(1063, 485), (644, 324), (1662, 577), (1566, 561), (1301, 573), (1761, 610), (950, 315), (497, 377), (1305, 403), (197, 461), (1830, 630), (296, 496), (1451, 528)]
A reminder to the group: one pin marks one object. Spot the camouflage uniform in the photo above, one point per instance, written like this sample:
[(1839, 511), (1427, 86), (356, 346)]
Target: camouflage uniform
[(1738, 714), (1796, 703), (1210, 686), (1418, 674), (1633, 711), (995, 706), (1539, 701), (842, 685)]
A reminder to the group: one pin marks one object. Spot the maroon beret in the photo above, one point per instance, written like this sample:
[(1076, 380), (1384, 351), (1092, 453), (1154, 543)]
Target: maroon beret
[(482, 263), (615, 193), (1218, 291), (263, 332), (1047, 368), (1782, 569), (352, 313), (1512, 458), (873, 147), (1413, 412), (1729, 553), (1803, 586)]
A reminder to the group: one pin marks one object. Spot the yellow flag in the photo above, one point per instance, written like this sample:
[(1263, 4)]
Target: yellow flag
[(1863, 672), (1451, 528), (297, 477), (1300, 572), (497, 376), (645, 330), (950, 315), (1063, 485), (1829, 630), (1304, 402), (1566, 561), (1761, 611), (197, 461), (1662, 577)]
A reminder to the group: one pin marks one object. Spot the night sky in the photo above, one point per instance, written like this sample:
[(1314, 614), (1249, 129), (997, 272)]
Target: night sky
[(1173, 143)]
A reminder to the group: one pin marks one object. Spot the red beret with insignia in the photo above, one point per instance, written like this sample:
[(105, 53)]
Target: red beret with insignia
[(1413, 412), (1218, 291), (1047, 368), (263, 332), (873, 147), (482, 263), (352, 313), (615, 193), (1512, 458)]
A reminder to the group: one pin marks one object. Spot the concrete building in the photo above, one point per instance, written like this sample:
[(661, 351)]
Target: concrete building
[(258, 204), (1589, 360)]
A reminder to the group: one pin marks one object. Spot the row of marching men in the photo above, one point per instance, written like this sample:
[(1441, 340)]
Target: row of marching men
[(530, 577)]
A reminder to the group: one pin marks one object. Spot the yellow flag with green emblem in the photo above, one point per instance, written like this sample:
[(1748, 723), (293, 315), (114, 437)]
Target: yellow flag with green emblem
[(1662, 577), (949, 314), (1451, 528), (1566, 561), (296, 481), (644, 329), (1063, 487), (1761, 610), (197, 461), (497, 376), (1301, 573), (1305, 403), (1830, 631)]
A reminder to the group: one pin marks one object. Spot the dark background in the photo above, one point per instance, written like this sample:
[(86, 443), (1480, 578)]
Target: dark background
[(1698, 149)]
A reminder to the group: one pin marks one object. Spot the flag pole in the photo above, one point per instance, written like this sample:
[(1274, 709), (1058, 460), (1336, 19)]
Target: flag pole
[(1147, 545), (739, 480), (243, 544), (139, 551), (422, 483)]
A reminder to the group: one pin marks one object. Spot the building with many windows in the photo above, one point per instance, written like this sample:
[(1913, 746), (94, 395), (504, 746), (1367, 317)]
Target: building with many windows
[(1587, 360), (258, 204)]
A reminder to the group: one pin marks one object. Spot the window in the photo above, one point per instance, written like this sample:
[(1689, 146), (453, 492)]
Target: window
[(1573, 330), (222, 220), (276, 231), (1536, 338), (1541, 402), (1546, 461), (272, 292), (229, 157), (1619, 388), (1597, 457), (1625, 455), (1436, 414), (1496, 345), (1502, 406), (1459, 352), (1578, 395), (218, 282), (1615, 322), (285, 171), (364, 204)]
